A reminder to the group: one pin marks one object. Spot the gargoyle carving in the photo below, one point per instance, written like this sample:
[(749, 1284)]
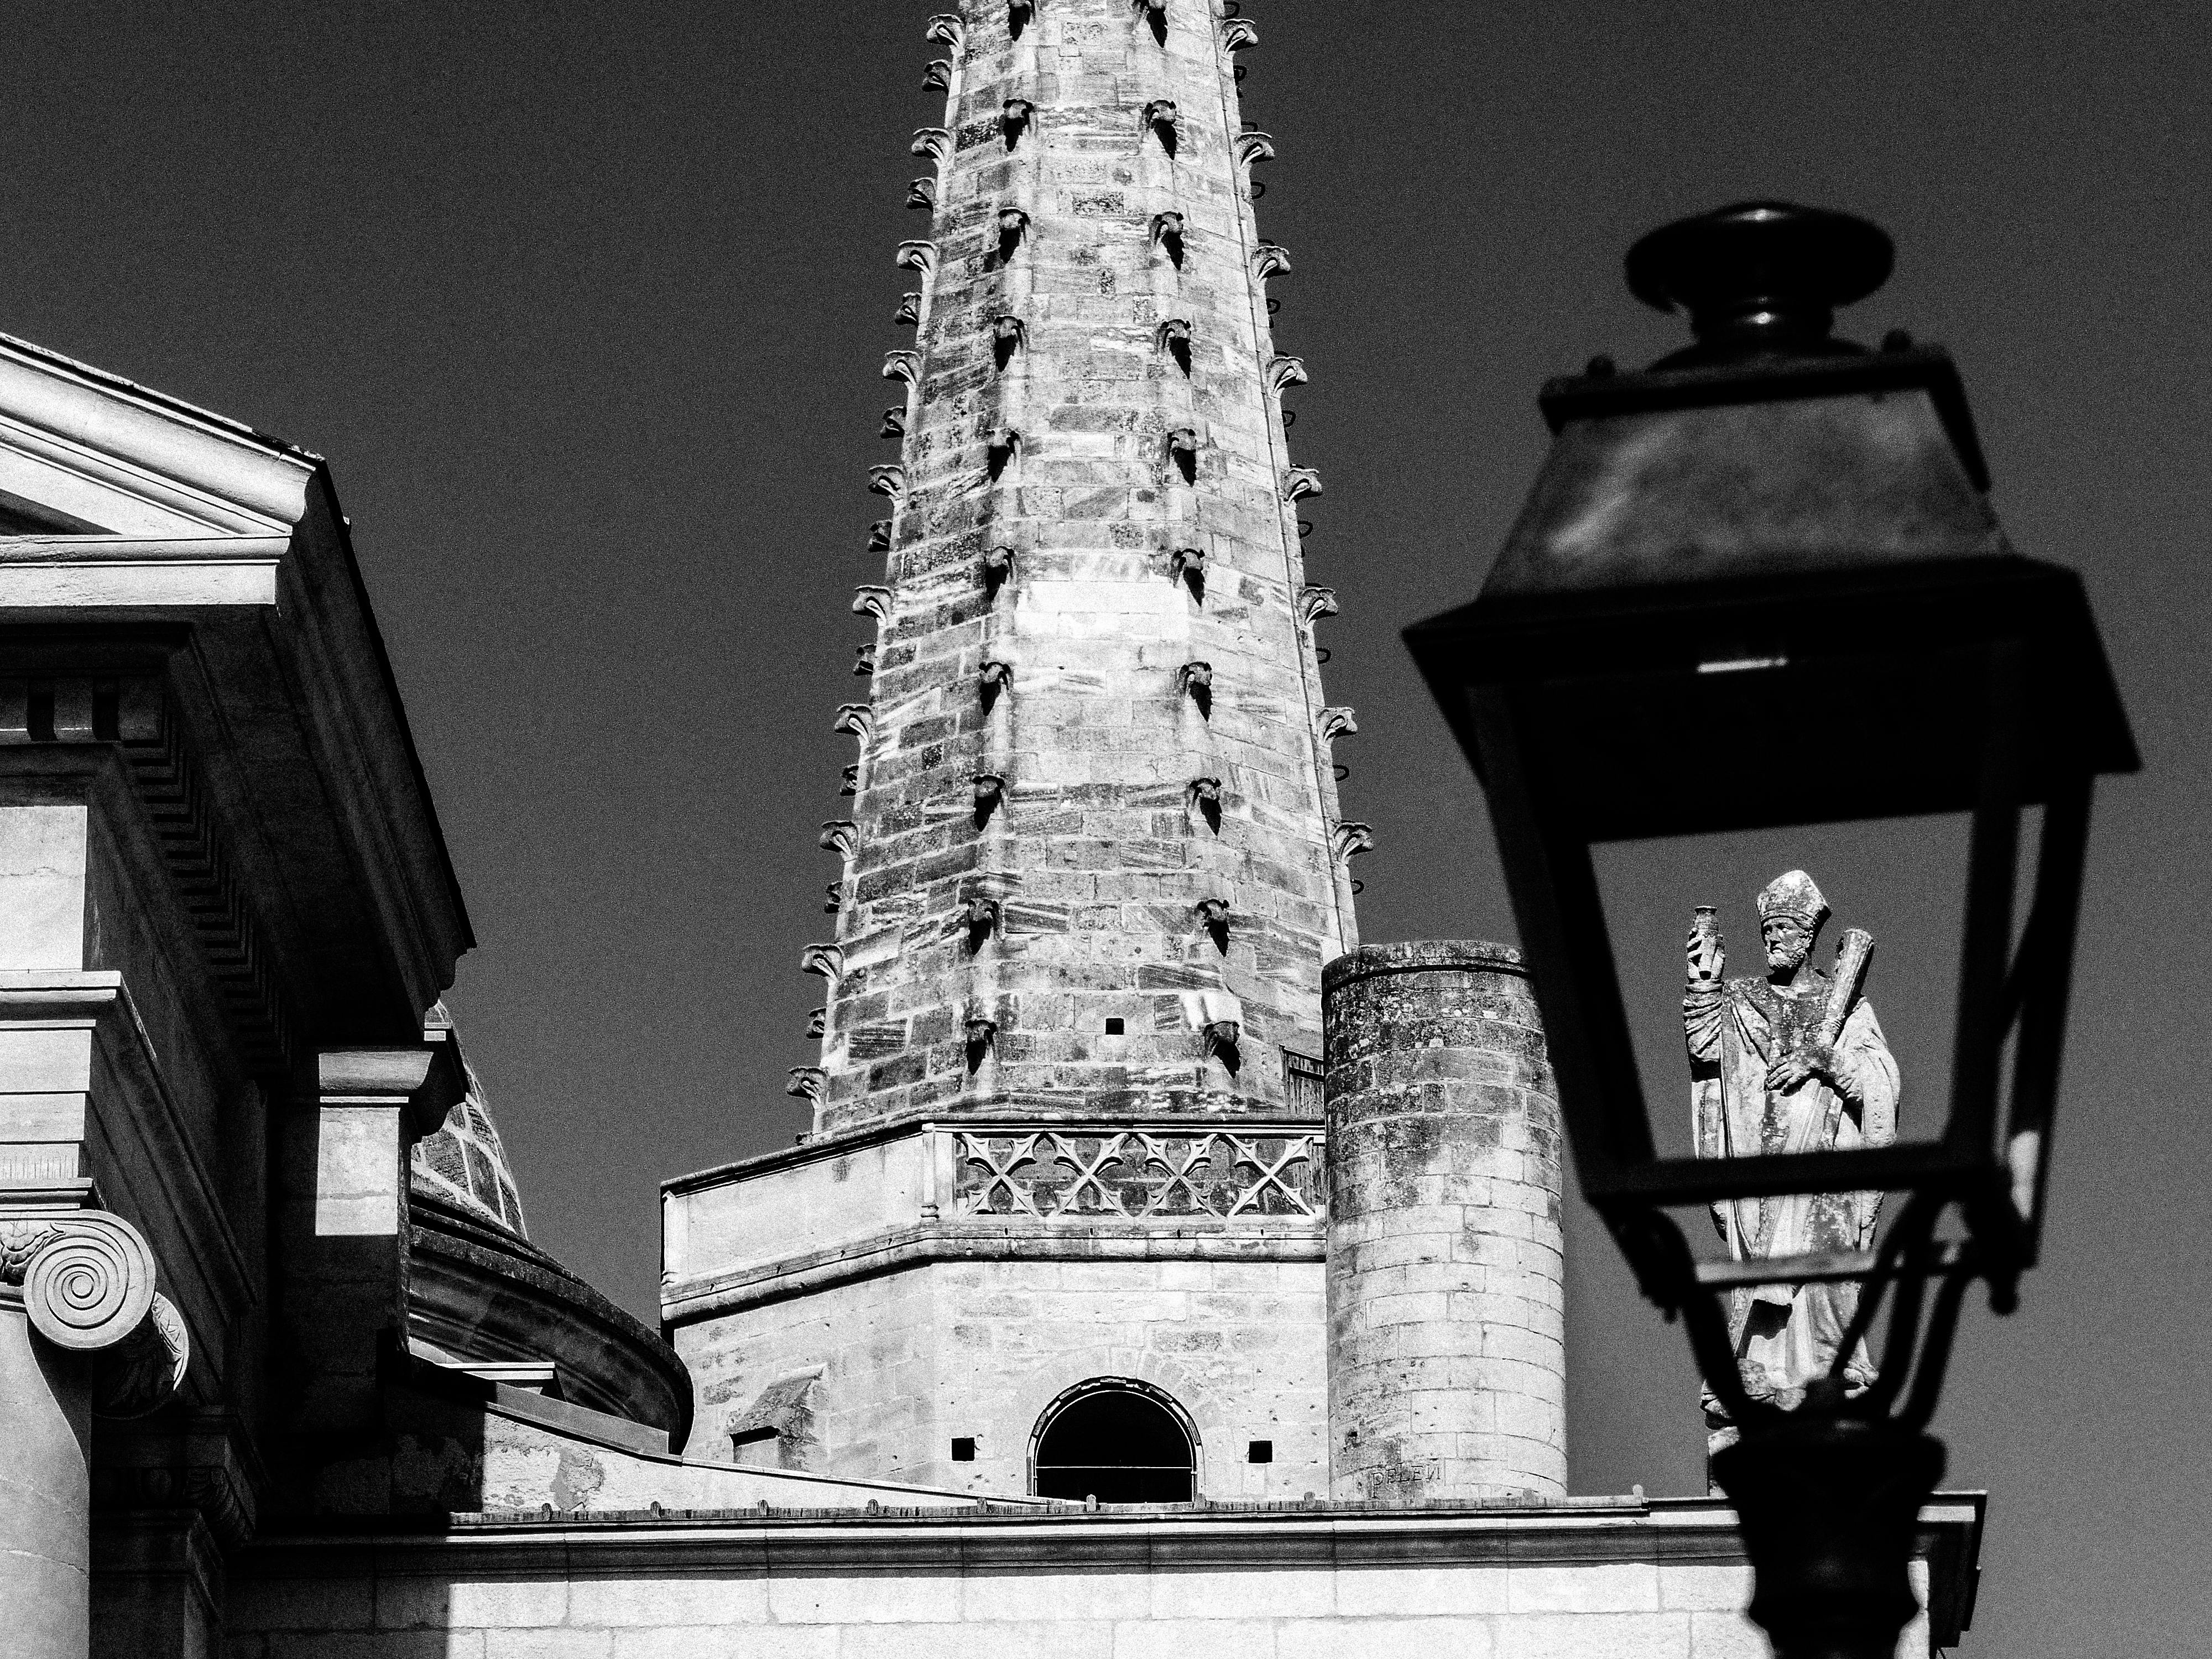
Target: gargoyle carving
[(1196, 681), (909, 311), (1167, 236), (937, 76), (827, 960), (982, 1036), (991, 678), (1175, 340), (1285, 372), (1252, 146), (917, 255), (945, 29), (1013, 225), (1222, 1037), (1238, 32), (850, 784), (902, 366), (855, 719), (1213, 916), (864, 658), (1000, 448), (1188, 566), (1160, 117), (979, 915), (1008, 336), (1183, 449), (1348, 840), (894, 424), (1336, 723), (1300, 483), (807, 1083), (817, 1022), (872, 599), (1315, 603), (1270, 259), (922, 193), (998, 565), (833, 898), (933, 142), (1020, 14), (1203, 796), (1014, 118), (1155, 13), (879, 535), (990, 792), (887, 479)]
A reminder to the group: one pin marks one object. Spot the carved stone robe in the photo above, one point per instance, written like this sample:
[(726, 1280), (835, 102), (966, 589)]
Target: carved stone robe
[(1786, 1336)]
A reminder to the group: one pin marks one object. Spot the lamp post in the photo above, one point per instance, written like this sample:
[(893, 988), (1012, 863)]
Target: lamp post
[(1770, 533)]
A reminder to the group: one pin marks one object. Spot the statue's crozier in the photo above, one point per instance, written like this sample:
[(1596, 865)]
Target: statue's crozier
[(1791, 1061)]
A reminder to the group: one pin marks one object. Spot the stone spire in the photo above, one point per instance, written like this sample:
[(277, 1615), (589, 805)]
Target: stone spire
[(1095, 861)]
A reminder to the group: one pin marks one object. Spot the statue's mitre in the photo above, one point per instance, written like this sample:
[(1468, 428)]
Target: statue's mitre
[(1795, 895)]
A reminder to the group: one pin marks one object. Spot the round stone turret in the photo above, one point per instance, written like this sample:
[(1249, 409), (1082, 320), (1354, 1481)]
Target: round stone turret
[(1446, 1358)]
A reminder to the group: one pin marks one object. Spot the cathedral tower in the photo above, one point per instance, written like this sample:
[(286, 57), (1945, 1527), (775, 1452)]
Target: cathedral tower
[(1094, 862), (1066, 1150)]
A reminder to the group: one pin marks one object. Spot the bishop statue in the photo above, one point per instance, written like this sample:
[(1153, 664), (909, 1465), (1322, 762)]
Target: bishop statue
[(1792, 1060)]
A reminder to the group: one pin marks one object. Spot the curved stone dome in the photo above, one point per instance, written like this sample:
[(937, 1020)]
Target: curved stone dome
[(464, 1162)]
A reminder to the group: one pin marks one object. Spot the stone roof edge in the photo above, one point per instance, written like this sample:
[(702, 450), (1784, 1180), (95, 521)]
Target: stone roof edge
[(1555, 1532)]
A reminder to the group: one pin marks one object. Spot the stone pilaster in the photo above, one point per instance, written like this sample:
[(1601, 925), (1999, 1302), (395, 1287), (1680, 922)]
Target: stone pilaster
[(1095, 860), (1447, 1365)]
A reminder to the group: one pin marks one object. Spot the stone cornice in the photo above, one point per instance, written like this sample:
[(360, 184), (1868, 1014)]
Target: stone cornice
[(159, 571)]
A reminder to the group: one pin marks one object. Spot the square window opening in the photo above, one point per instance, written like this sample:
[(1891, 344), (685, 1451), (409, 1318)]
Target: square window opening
[(1260, 1451), (963, 1449)]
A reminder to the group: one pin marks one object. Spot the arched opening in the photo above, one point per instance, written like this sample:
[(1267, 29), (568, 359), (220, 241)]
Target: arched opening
[(1117, 1440)]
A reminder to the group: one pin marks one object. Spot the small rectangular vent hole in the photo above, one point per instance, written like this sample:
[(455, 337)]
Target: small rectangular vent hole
[(1260, 1451), (1114, 1025), (963, 1449)]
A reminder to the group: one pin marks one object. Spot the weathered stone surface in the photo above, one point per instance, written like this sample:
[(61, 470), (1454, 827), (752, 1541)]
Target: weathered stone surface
[(1447, 1365), (1089, 396)]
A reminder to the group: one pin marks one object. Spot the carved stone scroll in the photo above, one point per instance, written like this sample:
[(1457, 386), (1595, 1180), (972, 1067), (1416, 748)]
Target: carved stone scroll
[(1336, 723), (1301, 484), (1270, 260), (1349, 839), (826, 960), (1315, 603), (933, 143), (1284, 373)]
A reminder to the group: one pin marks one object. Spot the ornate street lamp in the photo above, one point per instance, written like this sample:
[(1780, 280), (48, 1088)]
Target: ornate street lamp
[(1771, 535)]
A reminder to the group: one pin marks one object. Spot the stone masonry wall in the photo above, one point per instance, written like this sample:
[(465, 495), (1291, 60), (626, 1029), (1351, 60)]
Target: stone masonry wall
[(1094, 780), (1626, 1583), (1447, 1363), (909, 1360)]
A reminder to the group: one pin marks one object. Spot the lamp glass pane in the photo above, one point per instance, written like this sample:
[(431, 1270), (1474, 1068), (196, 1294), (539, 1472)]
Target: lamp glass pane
[(1901, 880)]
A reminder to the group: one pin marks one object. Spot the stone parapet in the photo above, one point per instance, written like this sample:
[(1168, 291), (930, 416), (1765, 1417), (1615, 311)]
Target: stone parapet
[(1447, 1363), (1609, 1578)]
